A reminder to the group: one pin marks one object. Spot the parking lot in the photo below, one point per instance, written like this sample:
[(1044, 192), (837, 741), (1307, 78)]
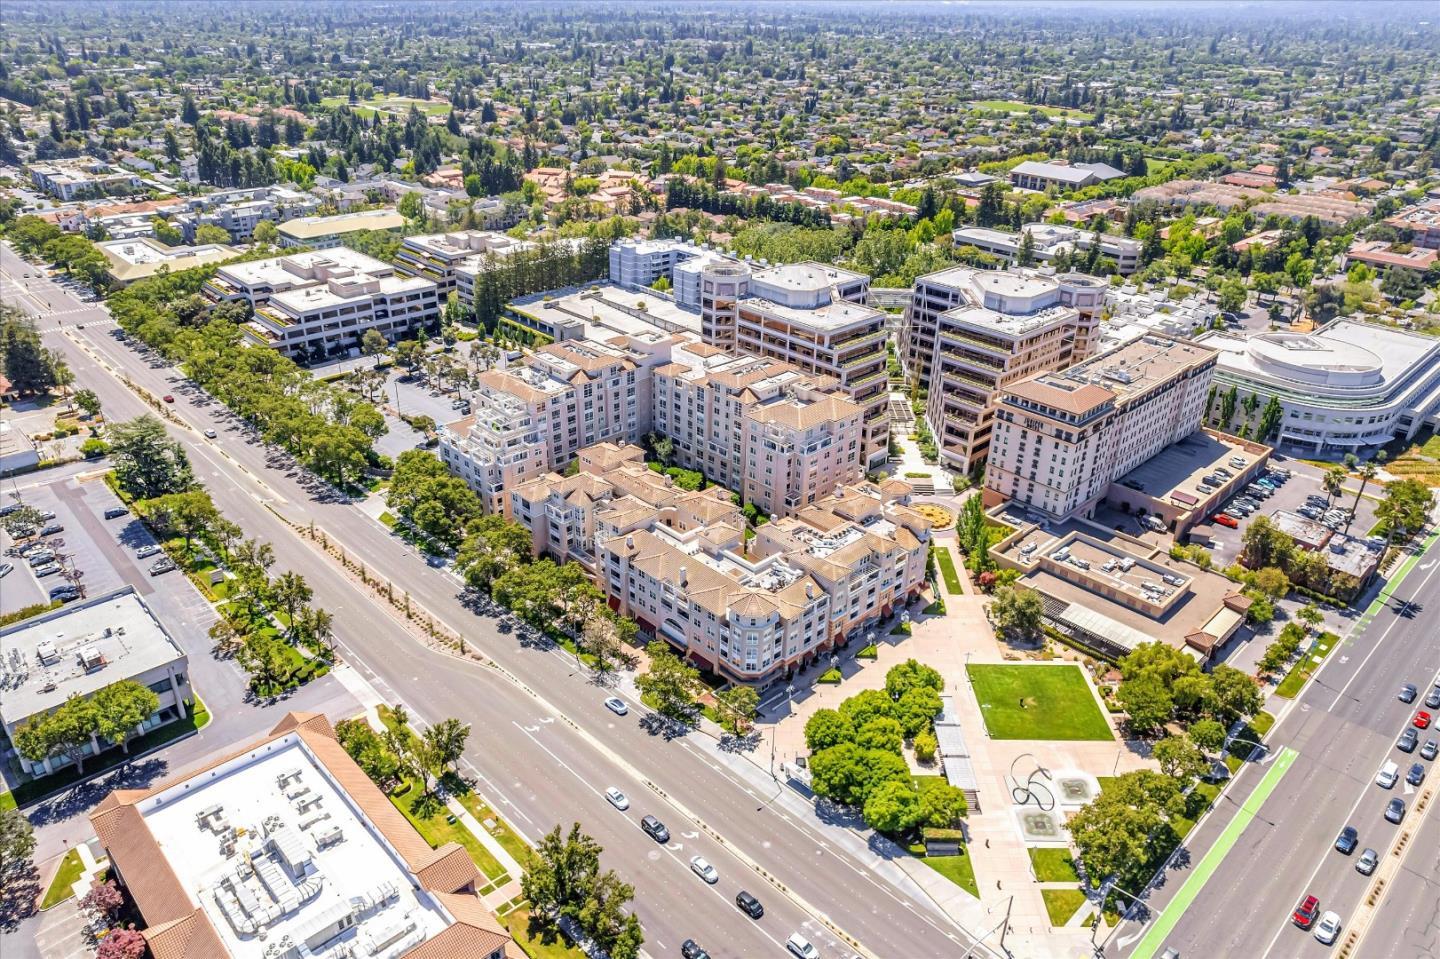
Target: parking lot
[(1305, 480)]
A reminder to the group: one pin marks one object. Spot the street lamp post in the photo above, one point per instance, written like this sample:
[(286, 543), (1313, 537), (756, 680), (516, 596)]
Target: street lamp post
[(789, 692)]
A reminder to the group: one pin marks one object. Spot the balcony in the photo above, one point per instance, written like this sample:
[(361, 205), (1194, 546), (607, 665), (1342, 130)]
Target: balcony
[(1005, 349), (854, 341), (972, 360), (865, 381)]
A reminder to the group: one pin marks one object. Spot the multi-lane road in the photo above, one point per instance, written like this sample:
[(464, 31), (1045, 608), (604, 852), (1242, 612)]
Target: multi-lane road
[(543, 747), (1341, 729)]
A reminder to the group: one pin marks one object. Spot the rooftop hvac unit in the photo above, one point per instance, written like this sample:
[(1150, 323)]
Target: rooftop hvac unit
[(47, 652), (91, 657)]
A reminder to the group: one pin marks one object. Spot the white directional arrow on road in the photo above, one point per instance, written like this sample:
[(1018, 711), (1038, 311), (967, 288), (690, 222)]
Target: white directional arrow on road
[(532, 729), (675, 846), (547, 720), (1126, 940), (1409, 789), (691, 835)]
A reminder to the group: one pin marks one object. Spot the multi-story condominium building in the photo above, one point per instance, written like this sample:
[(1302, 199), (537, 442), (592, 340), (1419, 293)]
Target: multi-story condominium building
[(316, 304), (969, 332), (814, 317), (83, 176), (285, 848), (239, 212), (533, 418), (78, 650), (1421, 221), (1342, 388), (1061, 438), (638, 262), (1050, 240), (762, 427), (754, 612), (1034, 175), (325, 232), (452, 260)]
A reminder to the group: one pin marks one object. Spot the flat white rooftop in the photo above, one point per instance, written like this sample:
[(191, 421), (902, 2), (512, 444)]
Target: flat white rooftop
[(77, 649), (608, 310), (273, 850), (284, 272), (1343, 357), (807, 276), (834, 315)]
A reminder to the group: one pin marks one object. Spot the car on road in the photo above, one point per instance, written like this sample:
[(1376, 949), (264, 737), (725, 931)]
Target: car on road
[(49, 569), (1422, 720), (1388, 775), (655, 829), (701, 867), (1305, 913), (749, 905), (5, 569), (1406, 742), (1395, 810), (617, 799), (1430, 750), (1329, 929), (1416, 775), (1226, 520), (800, 947), (145, 552), (162, 566), (1432, 698), (115, 512), (690, 949), (1348, 839), (616, 705), (209, 434), (1367, 862), (1408, 692), (168, 398)]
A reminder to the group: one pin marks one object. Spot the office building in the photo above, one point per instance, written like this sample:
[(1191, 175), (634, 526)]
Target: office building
[(1033, 175), (325, 232), (1344, 387), (452, 260), (320, 303), (968, 333), (1061, 438), (142, 258), (284, 849), (1050, 240), (81, 648)]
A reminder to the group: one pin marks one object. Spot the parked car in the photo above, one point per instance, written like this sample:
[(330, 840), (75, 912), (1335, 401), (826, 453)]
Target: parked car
[(49, 569), (5, 569), (655, 829), (1430, 750), (617, 799), (749, 905), (209, 434), (169, 398), (1329, 929), (1226, 520), (1305, 913), (1395, 810), (1432, 698), (702, 868), (1367, 862), (616, 705), (1348, 839), (40, 557), (162, 566), (115, 511), (52, 529), (145, 552), (1422, 720), (65, 593)]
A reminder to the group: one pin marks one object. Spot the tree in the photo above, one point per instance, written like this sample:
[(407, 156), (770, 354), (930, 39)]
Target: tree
[(848, 774), (1179, 758), (290, 592), (1367, 471), (28, 366), (89, 402), (410, 354), (147, 462), (1121, 832), (603, 917), (881, 733), (1333, 482), (1208, 735), (903, 677), (867, 705), (122, 944), (1016, 612), (1310, 616), (265, 233), (1147, 701), (120, 708), (412, 207), (369, 750), (492, 547), (925, 746), (187, 514), (916, 710), (373, 342), (1231, 296), (208, 233), (17, 841), (671, 684), (442, 745), (64, 731), (1405, 508), (268, 661), (941, 804), (1236, 695), (739, 705), (892, 807), (562, 873), (1265, 544), (1270, 418), (826, 728), (103, 900)]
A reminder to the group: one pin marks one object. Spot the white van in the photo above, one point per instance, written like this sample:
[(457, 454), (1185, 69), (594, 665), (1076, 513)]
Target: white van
[(1388, 775)]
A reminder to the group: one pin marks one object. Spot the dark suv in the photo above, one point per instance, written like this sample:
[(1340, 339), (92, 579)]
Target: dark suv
[(655, 829), (749, 905)]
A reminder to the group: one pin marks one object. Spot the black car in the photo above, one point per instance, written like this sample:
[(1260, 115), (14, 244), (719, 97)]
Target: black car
[(1395, 810), (1416, 775), (691, 949), (115, 511), (655, 829), (52, 529), (1348, 839), (749, 905), (1406, 742), (65, 593), (1408, 692)]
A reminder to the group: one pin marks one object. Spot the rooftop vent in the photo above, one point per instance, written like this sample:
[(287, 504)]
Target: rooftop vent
[(91, 657)]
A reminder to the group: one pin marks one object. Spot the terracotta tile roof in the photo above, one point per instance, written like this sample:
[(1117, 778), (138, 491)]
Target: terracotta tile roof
[(190, 937), (450, 869), (157, 891), (1082, 399), (503, 382)]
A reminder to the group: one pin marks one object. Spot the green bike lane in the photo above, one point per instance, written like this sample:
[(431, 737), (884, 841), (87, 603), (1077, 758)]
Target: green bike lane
[(1154, 937)]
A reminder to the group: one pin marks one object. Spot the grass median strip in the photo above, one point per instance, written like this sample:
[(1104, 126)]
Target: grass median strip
[(1165, 923), (946, 562), (1294, 680)]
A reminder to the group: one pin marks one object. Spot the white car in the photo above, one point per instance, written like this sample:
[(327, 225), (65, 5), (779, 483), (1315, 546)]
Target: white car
[(209, 434), (1388, 775), (801, 947), (147, 551), (616, 705), (702, 868), (617, 799), (1328, 929)]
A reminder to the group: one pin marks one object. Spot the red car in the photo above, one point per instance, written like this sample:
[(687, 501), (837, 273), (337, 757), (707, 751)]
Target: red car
[(1224, 520), (1422, 720), (1305, 913), (169, 398)]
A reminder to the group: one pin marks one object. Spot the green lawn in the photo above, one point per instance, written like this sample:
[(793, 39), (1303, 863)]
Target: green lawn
[(946, 562), (1062, 903), (70, 869), (1054, 865), (1294, 680), (1015, 106), (1199, 799), (537, 941), (958, 869), (1037, 702), (7, 801), (435, 826)]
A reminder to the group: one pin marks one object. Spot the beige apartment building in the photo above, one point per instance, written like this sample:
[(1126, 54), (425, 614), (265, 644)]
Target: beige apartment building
[(312, 305), (968, 333), (1061, 438)]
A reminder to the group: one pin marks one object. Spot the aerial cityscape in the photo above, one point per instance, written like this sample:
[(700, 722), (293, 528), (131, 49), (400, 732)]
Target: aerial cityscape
[(542, 479)]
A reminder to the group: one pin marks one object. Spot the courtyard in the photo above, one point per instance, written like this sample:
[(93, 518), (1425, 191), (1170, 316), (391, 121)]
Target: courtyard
[(1044, 702)]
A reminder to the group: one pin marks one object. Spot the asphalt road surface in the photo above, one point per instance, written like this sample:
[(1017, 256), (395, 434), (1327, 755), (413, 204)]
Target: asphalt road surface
[(538, 768)]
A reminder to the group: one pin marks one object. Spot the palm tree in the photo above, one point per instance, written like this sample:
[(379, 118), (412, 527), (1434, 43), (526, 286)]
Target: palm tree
[(1334, 483), (1367, 472)]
